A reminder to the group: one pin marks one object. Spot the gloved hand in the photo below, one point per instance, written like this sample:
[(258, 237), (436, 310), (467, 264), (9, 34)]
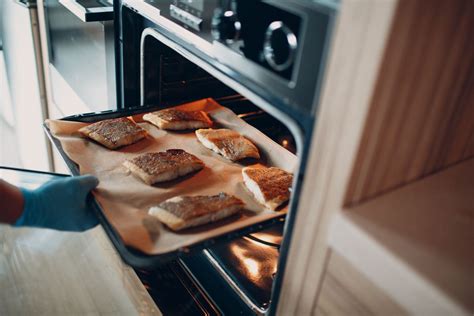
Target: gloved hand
[(59, 204)]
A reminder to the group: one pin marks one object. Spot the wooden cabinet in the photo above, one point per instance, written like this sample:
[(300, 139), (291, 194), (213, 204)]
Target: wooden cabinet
[(386, 220)]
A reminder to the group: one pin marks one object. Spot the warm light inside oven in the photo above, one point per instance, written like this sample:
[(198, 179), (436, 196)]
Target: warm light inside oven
[(256, 265)]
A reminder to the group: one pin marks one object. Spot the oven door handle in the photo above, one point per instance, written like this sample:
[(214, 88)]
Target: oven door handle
[(89, 14)]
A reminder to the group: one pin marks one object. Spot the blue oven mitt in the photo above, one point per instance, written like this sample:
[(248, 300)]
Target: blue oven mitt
[(59, 204)]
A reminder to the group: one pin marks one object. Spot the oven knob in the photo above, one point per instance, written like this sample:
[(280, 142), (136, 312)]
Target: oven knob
[(225, 27), (279, 47)]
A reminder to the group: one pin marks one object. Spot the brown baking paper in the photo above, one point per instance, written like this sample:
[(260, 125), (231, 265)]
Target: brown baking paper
[(125, 199)]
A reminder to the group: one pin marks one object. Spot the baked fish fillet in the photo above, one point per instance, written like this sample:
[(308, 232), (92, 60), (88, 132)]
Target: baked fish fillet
[(114, 133), (174, 119), (228, 143), (269, 186), (187, 211), (163, 166)]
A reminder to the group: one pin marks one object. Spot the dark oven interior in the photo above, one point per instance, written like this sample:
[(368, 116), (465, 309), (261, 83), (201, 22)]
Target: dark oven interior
[(230, 278), (171, 79)]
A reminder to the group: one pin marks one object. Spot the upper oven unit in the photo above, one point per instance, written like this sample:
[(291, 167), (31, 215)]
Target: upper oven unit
[(79, 39), (276, 47)]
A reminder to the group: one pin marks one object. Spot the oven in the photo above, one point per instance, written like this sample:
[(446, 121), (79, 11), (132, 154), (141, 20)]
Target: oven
[(265, 61), (79, 42)]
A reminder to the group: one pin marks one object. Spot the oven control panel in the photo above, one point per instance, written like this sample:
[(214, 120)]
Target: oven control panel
[(186, 18), (262, 31), (280, 47)]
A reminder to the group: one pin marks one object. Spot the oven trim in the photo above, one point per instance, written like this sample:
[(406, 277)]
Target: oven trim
[(297, 118), (224, 75)]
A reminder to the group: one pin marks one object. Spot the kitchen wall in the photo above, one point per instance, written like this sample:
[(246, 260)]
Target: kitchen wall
[(1, 6), (24, 75)]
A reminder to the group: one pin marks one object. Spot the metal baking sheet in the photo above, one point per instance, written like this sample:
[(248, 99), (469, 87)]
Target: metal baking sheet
[(122, 201)]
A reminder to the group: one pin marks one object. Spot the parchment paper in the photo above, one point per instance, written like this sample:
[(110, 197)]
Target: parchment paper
[(125, 199)]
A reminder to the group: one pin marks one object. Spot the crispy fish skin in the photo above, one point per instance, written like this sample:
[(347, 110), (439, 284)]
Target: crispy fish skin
[(174, 119), (163, 166), (228, 143), (114, 133), (269, 186), (188, 211)]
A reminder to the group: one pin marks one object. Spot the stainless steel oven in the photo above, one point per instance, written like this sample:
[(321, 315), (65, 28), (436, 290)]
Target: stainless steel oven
[(80, 48), (265, 61)]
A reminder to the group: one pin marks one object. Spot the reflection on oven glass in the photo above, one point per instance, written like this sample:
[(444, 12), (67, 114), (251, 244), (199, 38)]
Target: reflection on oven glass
[(252, 267), (258, 266)]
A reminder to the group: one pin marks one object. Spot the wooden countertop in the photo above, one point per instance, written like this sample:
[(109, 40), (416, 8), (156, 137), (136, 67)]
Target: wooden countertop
[(46, 272)]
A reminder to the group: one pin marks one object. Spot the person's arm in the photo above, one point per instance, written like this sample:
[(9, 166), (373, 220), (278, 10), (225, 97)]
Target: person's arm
[(12, 202), (57, 204)]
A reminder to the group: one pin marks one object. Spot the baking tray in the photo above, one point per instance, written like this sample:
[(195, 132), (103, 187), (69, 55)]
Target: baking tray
[(131, 255)]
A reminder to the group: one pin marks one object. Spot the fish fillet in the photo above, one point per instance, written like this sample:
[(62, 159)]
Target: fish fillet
[(163, 166), (174, 119), (228, 143), (269, 186), (187, 211), (114, 133)]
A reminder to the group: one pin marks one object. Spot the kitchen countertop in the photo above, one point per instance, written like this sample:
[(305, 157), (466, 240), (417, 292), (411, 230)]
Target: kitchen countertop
[(47, 272)]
